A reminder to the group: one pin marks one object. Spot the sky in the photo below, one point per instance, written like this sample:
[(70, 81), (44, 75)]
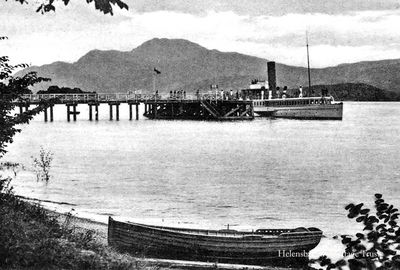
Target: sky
[(339, 31)]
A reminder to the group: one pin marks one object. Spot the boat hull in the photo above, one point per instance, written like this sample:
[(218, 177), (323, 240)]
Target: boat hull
[(310, 111), (211, 246)]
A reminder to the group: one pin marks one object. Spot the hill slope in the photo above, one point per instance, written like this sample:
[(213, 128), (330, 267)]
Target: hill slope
[(187, 65), (354, 92)]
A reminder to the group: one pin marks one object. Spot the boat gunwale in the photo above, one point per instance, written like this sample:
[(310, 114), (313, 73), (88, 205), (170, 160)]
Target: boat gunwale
[(245, 235)]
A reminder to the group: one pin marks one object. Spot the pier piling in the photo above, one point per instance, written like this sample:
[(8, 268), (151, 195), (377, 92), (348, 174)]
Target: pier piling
[(45, 114), (96, 115), (68, 113), (51, 113), (74, 112), (131, 103), (117, 112), (90, 112), (96, 111), (74, 108), (23, 105), (116, 104)]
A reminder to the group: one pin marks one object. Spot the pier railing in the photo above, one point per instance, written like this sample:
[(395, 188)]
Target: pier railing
[(81, 98), (118, 97)]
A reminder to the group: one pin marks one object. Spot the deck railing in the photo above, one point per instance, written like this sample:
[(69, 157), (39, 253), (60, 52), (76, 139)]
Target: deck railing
[(119, 97), (65, 98), (130, 97)]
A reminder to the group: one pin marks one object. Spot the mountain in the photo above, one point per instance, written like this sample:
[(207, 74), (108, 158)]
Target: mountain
[(187, 65)]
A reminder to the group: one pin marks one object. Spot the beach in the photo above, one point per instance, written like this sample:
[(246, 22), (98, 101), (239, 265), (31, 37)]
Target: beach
[(328, 246)]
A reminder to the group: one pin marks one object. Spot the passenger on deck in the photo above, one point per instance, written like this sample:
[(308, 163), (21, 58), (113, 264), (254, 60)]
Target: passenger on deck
[(284, 94)]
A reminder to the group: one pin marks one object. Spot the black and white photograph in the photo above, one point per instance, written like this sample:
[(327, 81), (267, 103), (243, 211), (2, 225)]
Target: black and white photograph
[(195, 135)]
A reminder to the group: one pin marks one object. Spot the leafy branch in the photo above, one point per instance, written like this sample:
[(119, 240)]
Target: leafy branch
[(12, 90), (377, 247), (105, 6)]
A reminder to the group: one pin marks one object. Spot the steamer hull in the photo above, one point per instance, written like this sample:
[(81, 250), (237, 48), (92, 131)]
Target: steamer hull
[(317, 112), (214, 246)]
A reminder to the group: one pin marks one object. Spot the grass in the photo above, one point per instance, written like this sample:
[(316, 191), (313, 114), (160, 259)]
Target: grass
[(32, 238)]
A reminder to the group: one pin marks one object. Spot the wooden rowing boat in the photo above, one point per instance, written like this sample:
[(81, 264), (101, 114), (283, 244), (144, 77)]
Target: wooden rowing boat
[(261, 247)]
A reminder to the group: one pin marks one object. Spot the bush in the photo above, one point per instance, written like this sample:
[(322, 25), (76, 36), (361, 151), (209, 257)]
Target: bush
[(377, 247)]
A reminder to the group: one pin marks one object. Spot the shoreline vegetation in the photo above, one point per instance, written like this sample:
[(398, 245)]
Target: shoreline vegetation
[(35, 238), (354, 92)]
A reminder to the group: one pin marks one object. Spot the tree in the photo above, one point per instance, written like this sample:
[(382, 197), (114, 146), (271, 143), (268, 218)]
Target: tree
[(42, 165), (105, 6), (11, 91)]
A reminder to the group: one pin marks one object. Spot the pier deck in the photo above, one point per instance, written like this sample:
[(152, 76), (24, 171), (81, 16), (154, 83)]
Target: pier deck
[(199, 107)]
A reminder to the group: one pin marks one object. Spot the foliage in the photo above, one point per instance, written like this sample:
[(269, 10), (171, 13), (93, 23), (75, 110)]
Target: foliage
[(5, 187), (356, 91), (377, 247), (351, 92), (33, 238), (9, 165), (54, 89), (14, 167), (42, 165), (12, 90), (105, 6)]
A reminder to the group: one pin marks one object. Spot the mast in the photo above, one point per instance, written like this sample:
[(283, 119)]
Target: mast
[(308, 67)]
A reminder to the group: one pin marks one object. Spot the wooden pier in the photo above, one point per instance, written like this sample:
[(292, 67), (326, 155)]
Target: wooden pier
[(199, 107), (71, 101)]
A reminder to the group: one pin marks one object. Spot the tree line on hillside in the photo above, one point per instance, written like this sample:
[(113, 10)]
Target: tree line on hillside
[(54, 89), (354, 92)]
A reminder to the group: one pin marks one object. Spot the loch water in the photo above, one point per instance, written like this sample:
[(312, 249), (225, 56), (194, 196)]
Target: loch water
[(264, 173)]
